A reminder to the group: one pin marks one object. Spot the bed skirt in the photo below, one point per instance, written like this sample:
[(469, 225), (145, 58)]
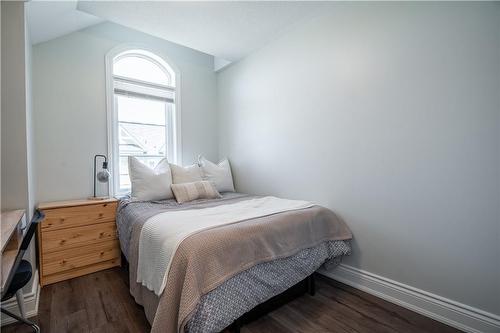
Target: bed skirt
[(238, 295)]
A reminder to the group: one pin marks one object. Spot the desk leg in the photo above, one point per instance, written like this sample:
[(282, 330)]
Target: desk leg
[(20, 302)]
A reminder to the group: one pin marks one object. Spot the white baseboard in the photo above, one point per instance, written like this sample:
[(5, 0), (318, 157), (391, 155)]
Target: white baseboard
[(452, 313), (30, 303)]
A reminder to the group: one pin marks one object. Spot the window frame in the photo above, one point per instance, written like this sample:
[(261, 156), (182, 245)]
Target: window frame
[(173, 121)]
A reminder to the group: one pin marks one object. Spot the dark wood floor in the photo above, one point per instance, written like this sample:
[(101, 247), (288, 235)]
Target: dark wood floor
[(100, 302)]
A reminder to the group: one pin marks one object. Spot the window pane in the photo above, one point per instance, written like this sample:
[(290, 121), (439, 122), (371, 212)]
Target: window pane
[(140, 110), (141, 133), (139, 68), (139, 139)]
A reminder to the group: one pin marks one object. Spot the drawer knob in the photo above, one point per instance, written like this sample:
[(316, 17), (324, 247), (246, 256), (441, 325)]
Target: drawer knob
[(61, 219), (102, 253), (101, 214), (62, 241), (101, 234)]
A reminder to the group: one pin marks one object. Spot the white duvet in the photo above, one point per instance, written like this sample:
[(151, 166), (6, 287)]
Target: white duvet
[(162, 234)]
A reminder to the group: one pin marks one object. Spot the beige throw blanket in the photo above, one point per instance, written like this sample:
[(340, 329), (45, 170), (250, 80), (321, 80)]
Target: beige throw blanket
[(206, 259), (162, 234)]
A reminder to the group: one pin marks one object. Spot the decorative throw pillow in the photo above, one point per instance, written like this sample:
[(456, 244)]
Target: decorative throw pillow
[(196, 190), (187, 174), (149, 184), (219, 173)]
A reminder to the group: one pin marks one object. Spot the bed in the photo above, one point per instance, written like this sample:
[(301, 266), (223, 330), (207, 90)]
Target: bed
[(219, 272)]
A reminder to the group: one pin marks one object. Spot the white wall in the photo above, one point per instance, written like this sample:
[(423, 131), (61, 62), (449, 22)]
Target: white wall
[(17, 130), (30, 145), (389, 114), (17, 154), (70, 105), (14, 111), (31, 254)]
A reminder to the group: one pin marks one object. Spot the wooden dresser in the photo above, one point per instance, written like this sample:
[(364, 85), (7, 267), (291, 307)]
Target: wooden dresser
[(77, 238)]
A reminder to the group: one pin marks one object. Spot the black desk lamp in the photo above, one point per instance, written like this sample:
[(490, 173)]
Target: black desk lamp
[(102, 176)]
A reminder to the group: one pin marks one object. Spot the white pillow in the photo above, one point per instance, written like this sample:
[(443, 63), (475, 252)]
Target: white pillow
[(189, 174), (219, 174), (150, 184)]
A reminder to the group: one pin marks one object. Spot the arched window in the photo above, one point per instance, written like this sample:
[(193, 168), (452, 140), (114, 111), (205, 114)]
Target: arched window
[(143, 120)]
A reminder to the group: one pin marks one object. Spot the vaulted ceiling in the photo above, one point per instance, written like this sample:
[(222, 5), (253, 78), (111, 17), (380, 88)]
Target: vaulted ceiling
[(227, 30), (51, 19)]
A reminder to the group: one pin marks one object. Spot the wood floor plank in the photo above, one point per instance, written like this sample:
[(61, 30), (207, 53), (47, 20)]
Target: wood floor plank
[(15, 328), (45, 308), (77, 322), (115, 327), (93, 302), (392, 315), (357, 320), (133, 312), (65, 301), (293, 321), (333, 314), (264, 324), (101, 303), (113, 309)]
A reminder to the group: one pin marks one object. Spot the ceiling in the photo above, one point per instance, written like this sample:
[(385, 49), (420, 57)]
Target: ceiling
[(228, 30), (52, 19)]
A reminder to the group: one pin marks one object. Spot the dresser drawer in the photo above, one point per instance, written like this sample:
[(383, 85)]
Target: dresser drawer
[(69, 217), (73, 273), (80, 257), (63, 239)]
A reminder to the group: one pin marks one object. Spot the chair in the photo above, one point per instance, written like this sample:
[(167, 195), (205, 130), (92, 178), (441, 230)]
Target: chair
[(22, 272)]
